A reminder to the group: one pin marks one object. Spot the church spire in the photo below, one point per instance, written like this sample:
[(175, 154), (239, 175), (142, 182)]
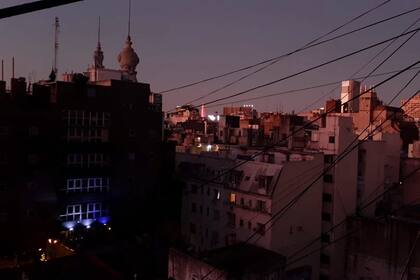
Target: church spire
[(98, 56)]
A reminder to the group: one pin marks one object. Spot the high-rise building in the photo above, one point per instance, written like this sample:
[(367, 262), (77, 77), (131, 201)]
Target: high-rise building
[(84, 151), (349, 91)]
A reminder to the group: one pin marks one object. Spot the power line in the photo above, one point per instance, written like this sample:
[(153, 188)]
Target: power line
[(370, 134), (410, 255), (271, 59), (310, 123), (303, 89), (309, 69), (32, 7), (361, 68), (349, 148), (351, 233), (307, 46), (339, 158), (293, 201)]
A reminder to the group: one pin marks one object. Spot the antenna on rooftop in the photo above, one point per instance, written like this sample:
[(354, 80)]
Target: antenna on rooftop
[(99, 31), (129, 18), (13, 67), (56, 31), (2, 70)]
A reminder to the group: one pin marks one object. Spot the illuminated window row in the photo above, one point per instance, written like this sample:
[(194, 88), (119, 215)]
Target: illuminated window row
[(87, 134), (78, 212), (83, 118), (88, 184), (86, 160)]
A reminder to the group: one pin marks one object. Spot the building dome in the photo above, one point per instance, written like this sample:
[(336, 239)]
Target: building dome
[(128, 58)]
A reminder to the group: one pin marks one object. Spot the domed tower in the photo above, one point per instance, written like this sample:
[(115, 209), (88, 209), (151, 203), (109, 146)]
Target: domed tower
[(128, 58)]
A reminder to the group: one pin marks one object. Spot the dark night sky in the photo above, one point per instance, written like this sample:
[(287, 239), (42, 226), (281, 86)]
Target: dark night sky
[(186, 40)]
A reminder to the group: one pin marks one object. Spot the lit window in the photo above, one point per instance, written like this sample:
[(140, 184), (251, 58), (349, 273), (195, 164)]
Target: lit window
[(232, 198), (74, 212)]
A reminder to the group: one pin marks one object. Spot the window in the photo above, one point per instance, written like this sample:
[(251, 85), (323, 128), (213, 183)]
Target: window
[(242, 201), (33, 131), (325, 237), (331, 139), (325, 259), (131, 133), (193, 207), (328, 178), (326, 216), (32, 159), (4, 130), (208, 211), (261, 205), (192, 228), (3, 158), (232, 198), (326, 197), (201, 209), (328, 158), (241, 222), (216, 215), (231, 219), (323, 277), (74, 185), (93, 210), (214, 238), (250, 203), (131, 156), (74, 212), (193, 188), (261, 228)]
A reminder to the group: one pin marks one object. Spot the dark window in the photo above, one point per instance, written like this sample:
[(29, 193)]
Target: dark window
[(208, 211), (325, 259), (325, 237), (241, 223), (192, 228), (201, 209), (193, 188), (216, 214), (328, 158), (326, 216), (231, 219), (323, 277), (131, 132), (328, 178), (326, 197), (261, 206), (4, 130), (331, 139), (193, 207), (261, 228), (242, 201)]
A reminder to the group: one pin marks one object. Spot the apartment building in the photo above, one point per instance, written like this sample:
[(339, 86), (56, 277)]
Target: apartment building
[(240, 205)]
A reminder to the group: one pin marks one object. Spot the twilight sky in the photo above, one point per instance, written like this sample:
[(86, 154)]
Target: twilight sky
[(186, 40)]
